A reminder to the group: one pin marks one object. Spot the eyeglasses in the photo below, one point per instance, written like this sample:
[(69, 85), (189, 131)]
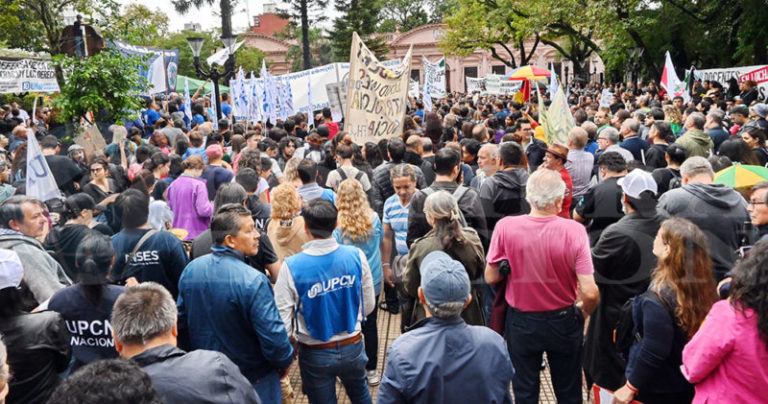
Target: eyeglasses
[(753, 203)]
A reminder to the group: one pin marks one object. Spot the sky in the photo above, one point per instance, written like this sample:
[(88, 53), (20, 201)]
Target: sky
[(205, 15)]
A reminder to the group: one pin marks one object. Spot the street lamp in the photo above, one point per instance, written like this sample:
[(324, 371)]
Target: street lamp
[(196, 45)]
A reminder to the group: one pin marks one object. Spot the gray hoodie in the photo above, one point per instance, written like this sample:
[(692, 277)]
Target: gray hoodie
[(43, 274), (718, 210)]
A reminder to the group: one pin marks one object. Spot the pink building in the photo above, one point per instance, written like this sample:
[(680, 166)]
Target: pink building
[(424, 40)]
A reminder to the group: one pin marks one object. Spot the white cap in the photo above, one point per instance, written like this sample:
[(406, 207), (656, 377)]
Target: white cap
[(637, 182), (11, 269)]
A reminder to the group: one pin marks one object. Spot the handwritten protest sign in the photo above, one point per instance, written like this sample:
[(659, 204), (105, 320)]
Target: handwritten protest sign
[(376, 95)]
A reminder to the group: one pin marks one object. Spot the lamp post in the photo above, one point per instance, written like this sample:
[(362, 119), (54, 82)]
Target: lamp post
[(196, 45), (566, 76)]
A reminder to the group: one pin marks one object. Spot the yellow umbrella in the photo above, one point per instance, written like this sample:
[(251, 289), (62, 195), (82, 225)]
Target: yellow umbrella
[(528, 73), (741, 176)]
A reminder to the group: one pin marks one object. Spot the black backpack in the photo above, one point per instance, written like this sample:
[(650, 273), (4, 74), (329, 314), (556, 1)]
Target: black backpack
[(624, 335)]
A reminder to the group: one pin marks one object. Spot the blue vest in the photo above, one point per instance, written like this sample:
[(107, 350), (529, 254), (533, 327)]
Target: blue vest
[(330, 290)]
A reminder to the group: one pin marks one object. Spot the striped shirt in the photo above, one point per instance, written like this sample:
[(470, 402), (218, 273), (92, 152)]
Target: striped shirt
[(579, 166), (396, 215)]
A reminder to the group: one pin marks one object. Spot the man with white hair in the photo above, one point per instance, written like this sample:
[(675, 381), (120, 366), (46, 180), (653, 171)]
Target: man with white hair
[(632, 141), (548, 266), (435, 359), (488, 164), (144, 330), (608, 139), (717, 209), (695, 141)]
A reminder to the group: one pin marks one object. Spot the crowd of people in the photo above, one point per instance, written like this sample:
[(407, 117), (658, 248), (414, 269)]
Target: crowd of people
[(190, 264)]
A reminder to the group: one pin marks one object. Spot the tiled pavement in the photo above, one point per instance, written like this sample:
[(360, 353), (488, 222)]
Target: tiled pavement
[(389, 330)]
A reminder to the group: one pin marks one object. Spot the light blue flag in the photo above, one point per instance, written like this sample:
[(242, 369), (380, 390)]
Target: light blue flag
[(427, 98), (265, 99), (310, 109), (288, 98), (40, 182), (214, 98), (553, 86), (187, 100)]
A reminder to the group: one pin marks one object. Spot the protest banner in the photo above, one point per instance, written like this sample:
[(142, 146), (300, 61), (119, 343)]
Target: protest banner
[(18, 76), (162, 65), (91, 140), (222, 55), (413, 89), (376, 95), (606, 98), (337, 96), (474, 84), (496, 85), (722, 75), (434, 73)]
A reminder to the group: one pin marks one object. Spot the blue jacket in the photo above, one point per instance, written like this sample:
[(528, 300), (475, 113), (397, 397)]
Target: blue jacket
[(447, 361), (635, 145), (229, 307), (654, 362)]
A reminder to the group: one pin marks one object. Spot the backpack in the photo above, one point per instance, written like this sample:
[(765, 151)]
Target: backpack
[(343, 174), (624, 333), (457, 195)]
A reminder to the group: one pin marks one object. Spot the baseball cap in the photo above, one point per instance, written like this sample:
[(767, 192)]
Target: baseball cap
[(637, 182), (443, 279), (11, 270), (558, 150), (760, 109)]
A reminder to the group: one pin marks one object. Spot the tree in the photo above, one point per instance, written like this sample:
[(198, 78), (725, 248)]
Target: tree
[(320, 48), (106, 83), (308, 12), (37, 25), (179, 41), (138, 25), (226, 7), (359, 16), (249, 59), (405, 15), (491, 25)]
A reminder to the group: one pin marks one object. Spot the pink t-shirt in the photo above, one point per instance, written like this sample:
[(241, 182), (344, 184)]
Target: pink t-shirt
[(545, 254), (727, 358)]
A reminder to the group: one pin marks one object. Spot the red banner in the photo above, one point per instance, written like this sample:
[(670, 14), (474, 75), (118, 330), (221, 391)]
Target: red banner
[(758, 76)]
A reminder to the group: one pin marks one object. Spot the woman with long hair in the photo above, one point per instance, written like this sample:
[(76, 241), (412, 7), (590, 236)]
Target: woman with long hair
[(358, 225), (90, 300), (754, 137), (188, 199), (460, 242), (286, 226), (674, 117), (372, 154), (101, 184), (681, 293), (738, 151), (727, 359)]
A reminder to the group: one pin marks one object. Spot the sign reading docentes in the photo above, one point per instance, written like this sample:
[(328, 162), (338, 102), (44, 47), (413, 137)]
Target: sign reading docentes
[(18, 76), (376, 95), (757, 73)]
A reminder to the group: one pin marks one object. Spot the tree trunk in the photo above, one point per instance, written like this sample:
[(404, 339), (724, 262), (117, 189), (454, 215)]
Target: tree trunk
[(305, 51), (226, 18)]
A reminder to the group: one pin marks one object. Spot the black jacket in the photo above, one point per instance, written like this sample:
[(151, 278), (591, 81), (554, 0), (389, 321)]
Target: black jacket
[(38, 350), (535, 153), (199, 376), (469, 204), (504, 195), (381, 185), (623, 260), (655, 156)]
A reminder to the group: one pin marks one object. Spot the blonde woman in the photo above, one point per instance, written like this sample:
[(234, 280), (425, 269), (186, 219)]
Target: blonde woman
[(673, 116), (358, 225), (447, 235), (291, 172), (286, 227)]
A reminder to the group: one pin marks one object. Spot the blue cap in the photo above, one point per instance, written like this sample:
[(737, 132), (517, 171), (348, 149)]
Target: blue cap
[(443, 279)]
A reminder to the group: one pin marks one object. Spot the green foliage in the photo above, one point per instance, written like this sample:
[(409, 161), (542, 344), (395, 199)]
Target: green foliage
[(320, 48), (137, 25), (249, 58), (403, 15), (106, 83), (179, 41), (359, 16)]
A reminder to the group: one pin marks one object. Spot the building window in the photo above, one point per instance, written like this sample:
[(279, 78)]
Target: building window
[(416, 75), (501, 70), (470, 72)]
